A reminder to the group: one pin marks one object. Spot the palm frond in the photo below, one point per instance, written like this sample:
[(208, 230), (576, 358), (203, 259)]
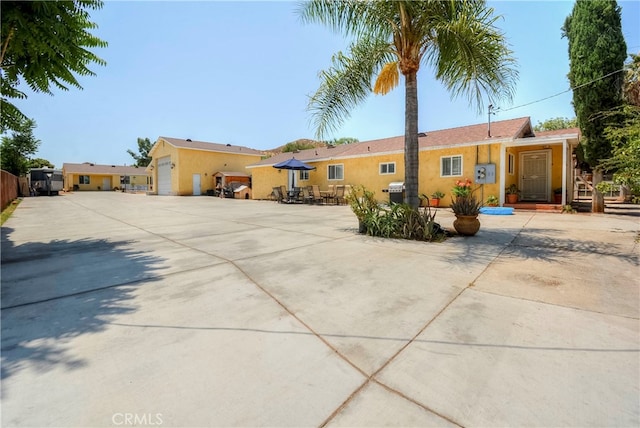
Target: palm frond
[(349, 17), (471, 56), (387, 79), (346, 83)]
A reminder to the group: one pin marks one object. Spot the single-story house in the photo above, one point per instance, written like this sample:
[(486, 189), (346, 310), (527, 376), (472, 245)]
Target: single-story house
[(91, 176), (185, 167), (493, 157)]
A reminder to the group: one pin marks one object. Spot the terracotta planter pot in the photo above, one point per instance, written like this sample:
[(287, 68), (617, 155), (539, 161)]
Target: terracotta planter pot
[(467, 225), (557, 198), (512, 198), (435, 202)]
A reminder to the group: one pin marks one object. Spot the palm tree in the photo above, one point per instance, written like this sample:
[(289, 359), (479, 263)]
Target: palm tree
[(457, 38)]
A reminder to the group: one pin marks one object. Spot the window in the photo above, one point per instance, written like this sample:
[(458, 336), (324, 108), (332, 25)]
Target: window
[(84, 179), (336, 172), (304, 175), (451, 166), (387, 168), (512, 163)]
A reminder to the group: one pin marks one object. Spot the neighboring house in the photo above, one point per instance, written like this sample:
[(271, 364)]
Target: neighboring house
[(185, 167), (509, 152), (90, 176)]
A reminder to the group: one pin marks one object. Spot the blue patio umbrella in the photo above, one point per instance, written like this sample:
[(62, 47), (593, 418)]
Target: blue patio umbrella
[(294, 164)]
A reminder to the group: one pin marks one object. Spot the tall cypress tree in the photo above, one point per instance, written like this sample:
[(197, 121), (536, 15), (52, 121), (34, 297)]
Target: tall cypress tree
[(596, 49)]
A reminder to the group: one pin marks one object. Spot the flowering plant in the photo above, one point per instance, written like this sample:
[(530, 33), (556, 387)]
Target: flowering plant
[(464, 203), (462, 189)]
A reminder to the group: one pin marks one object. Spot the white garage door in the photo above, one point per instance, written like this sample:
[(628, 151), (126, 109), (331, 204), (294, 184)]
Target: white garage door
[(164, 176)]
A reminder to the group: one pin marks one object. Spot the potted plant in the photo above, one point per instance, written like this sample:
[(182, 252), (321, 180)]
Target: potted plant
[(466, 209), (557, 195), (492, 201), (512, 194), (435, 198)]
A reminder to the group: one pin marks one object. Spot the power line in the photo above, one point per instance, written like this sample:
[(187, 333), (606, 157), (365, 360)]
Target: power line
[(563, 92)]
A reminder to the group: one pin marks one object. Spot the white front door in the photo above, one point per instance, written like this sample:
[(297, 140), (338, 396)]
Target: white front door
[(535, 177), (196, 185), (106, 183)]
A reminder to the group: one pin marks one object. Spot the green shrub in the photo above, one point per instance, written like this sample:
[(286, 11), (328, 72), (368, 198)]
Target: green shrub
[(395, 220)]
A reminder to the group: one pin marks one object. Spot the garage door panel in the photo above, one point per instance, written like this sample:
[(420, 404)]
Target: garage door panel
[(164, 176)]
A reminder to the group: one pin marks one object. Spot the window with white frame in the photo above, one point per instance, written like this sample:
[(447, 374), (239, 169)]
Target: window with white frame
[(451, 166), (84, 179), (511, 164), (304, 175), (387, 168), (335, 172)]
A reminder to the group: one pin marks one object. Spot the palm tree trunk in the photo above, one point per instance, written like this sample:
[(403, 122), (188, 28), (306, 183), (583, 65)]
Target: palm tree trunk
[(411, 140)]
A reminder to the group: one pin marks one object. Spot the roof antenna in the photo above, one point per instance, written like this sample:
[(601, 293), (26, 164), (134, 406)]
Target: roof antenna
[(489, 120)]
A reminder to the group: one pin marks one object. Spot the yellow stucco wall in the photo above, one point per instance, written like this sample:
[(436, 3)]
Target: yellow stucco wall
[(96, 181), (359, 170), (430, 179), (365, 171), (205, 163)]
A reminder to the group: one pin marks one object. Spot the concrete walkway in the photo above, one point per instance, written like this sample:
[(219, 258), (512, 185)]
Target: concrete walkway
[(123, 309)]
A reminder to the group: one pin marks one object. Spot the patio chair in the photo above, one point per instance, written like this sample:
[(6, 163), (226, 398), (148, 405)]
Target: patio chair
[(339, 196), (307, 197), (279, 197), (317, 196)]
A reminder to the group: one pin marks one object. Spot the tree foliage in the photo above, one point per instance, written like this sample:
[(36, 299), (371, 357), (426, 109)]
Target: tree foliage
[(623, 130), (18, 147), (341, 141), (596, 49), (458, 39), (631, 89), (294, 146), (45, 45), (39, 163), (142, 158), (556, 123)]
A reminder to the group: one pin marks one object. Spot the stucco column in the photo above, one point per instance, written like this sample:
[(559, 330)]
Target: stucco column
[(564, 172), (503, 171)]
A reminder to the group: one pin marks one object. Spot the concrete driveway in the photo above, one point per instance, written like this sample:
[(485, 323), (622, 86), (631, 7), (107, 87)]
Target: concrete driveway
[(123, 309)]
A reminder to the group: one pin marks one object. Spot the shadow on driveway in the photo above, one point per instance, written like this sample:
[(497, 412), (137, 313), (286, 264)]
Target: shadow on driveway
[(541, 244), (45, 307)]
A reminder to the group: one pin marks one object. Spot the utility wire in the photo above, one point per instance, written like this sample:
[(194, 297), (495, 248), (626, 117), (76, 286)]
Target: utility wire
[(563, 92)]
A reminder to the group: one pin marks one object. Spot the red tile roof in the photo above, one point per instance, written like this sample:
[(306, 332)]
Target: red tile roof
[(509, 129), (91, 168)]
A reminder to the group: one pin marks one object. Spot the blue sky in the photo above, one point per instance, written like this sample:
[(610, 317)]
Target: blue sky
[(241, 73)]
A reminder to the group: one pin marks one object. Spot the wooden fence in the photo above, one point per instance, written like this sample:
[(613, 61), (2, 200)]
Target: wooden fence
[(8, 188)]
